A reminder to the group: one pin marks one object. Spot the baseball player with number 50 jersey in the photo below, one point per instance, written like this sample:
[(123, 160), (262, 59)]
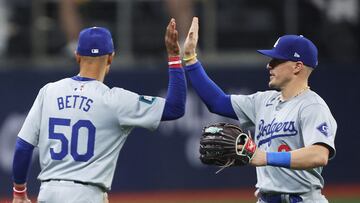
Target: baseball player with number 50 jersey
[(294, 128), (80, 125)]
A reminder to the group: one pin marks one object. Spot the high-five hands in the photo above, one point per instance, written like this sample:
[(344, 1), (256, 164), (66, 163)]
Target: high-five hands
[(172, 39), (191, 43)]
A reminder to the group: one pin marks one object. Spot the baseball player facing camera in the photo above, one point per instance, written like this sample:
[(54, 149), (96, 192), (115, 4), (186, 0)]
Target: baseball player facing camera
[(294, 128), (80, 125)]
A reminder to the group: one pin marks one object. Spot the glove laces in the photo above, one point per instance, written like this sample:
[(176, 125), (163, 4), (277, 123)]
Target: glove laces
[(228, 164)]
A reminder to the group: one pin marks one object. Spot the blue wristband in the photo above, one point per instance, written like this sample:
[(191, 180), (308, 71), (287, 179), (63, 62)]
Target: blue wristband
[(281, 159)]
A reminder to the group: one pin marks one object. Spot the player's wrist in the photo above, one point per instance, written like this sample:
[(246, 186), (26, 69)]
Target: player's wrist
[(190, 59), (259, 158), (20, 190), (279, 159), (174, 62)]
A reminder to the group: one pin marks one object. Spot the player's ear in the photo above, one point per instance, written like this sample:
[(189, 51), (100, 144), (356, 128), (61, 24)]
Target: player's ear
[(298, 66), (78, 58), (110, 58)]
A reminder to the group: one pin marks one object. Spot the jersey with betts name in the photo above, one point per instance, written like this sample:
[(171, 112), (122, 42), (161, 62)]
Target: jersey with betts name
[(80, 126), (280, 126)]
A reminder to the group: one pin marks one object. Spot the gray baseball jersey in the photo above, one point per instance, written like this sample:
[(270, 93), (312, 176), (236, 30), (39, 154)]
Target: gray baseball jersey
[(284, 126), (80, 126)]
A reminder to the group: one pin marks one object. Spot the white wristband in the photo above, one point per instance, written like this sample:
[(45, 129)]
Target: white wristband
[(174, 62), (19, 191)]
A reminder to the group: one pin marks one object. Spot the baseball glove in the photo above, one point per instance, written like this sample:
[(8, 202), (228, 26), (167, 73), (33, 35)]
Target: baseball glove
[(224, 145)]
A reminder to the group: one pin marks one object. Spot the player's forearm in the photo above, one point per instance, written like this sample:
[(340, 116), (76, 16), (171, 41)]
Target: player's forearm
[(176, 95), (300, 159), (309, 157), (211, 94), (21, 161)]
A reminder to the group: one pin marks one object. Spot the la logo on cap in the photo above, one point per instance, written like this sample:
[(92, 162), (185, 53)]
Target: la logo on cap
[(95, 51)]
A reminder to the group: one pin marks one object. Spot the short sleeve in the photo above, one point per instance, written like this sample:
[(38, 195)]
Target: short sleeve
[(135, 110), (31, 127), (318, 126), (245, 106)]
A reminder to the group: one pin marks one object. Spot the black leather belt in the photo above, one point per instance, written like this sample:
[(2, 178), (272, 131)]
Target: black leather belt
[(77, 182)]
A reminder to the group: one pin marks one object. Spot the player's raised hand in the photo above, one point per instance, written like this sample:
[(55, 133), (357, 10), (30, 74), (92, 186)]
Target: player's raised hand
[(191, 40), (172, 39)]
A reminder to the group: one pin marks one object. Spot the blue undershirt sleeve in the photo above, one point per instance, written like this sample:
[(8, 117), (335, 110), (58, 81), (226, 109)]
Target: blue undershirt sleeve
[(214, 98), (176, 95), (22, 160)]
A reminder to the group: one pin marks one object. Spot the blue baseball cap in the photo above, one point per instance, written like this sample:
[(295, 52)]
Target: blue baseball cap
[(95, 41), (294, 48)]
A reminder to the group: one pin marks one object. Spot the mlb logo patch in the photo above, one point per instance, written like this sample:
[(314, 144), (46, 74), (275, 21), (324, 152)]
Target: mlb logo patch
[(324, 129), (95, 51)]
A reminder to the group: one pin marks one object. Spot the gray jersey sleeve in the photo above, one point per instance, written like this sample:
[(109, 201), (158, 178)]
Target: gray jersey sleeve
[(31, 127), (318, 126), (136, 110), (245, 106)]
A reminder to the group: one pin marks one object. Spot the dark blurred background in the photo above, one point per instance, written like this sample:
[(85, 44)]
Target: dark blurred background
[(43, 33), (38, 38)]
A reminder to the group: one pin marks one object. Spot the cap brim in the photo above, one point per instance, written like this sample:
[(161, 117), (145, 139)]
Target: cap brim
[(272, 54)]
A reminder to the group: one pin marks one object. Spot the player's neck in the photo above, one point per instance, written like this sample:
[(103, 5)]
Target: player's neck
[(293, 90), (94, 73)]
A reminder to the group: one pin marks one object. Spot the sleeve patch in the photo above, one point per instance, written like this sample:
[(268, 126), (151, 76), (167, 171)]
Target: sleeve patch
[(324, 129), (147, 99)]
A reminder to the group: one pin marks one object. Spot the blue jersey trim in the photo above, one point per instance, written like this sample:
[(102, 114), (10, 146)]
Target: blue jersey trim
[(79, 78)]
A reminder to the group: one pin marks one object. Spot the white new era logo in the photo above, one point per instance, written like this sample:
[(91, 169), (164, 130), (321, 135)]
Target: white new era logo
[(95, 51), (296, 55), (277, 41)]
